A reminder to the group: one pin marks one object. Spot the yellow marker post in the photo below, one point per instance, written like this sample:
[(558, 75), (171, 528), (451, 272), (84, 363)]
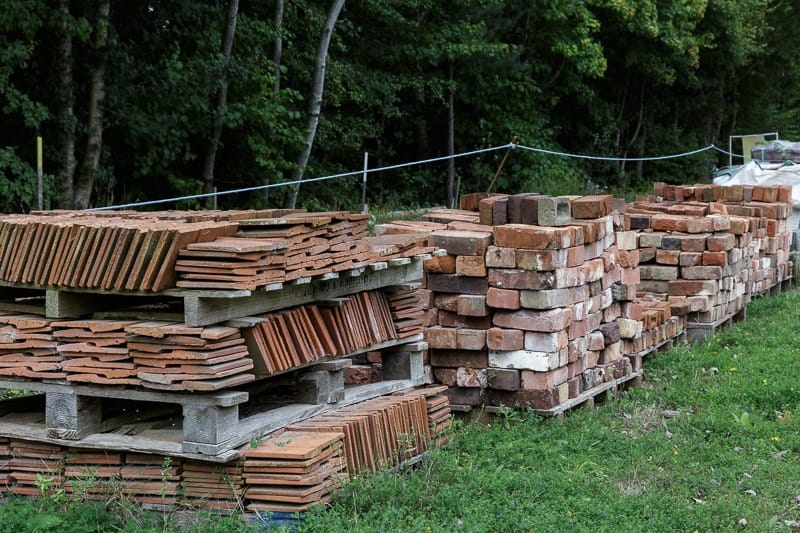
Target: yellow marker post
[(39, 171)]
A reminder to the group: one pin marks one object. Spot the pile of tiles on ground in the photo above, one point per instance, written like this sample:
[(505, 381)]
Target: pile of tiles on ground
[(5, 456), (380, 432), (525, 313), (292, 470), (173, 356), (213, 486), (82, 250), (712, 256), (286, 471), (28, 349), (92, 474), (150, 479), (294, 337), (33, 467), (95, 351)]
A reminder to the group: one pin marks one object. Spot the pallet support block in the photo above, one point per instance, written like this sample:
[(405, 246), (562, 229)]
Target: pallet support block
[(324, 384), (63, 304), (208, 428), (405, 362), (70, 416)]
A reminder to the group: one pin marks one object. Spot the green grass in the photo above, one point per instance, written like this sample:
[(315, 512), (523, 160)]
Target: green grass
[(710, 439), (731, 453)]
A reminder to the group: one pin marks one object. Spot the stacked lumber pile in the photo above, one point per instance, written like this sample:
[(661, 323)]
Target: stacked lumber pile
[(213, 486), (92, 475), (95, 351), (28, 349), (292, 470), (82, 250), (379, 432), (295, 337), (28, 461), (149, 479), (173, 356), (525, 312)]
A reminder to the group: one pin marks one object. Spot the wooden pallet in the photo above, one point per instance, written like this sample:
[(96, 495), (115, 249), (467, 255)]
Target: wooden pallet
[(699, 332), (205, 425), (206, 307)]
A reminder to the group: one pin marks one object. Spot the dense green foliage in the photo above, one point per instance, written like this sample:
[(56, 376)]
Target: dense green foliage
[(710, 439), (619, 78)]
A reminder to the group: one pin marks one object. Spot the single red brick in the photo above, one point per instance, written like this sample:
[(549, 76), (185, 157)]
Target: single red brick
[(628, 258), (505, 339), (542, 260), (529, 320), (594, 206), (668, 257), (472, 305), (721, 242), (714, 258), (443, 264), (531, 380), (503, 379), (471, 339), (471, 265), (456, 358), (537, 237), (450, 319), (503, 298), (688, 259), (462, 242), (446, 376), (498, 257), (440, 337)]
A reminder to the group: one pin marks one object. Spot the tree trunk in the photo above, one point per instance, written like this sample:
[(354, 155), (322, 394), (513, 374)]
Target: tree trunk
[(66, 113), (315, 103), (97, 92), (451, 143), (222, 102), (277, 57)]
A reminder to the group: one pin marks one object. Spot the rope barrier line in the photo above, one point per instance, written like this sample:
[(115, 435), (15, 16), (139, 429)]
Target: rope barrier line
[(605, 158), (309, 180), (510, 146)]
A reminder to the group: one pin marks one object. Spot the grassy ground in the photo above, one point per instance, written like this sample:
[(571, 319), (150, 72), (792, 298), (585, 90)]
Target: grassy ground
[(710, 442)]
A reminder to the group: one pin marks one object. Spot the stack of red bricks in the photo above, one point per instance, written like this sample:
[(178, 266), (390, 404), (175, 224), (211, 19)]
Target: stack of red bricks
[(524, 307), (705, 259), (768, 208)]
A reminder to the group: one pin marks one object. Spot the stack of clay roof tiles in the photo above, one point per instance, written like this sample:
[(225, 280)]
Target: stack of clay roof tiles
[(30, 461), (172, 356), (300, 335), (149, 479), (285, 471), (28, 348)]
